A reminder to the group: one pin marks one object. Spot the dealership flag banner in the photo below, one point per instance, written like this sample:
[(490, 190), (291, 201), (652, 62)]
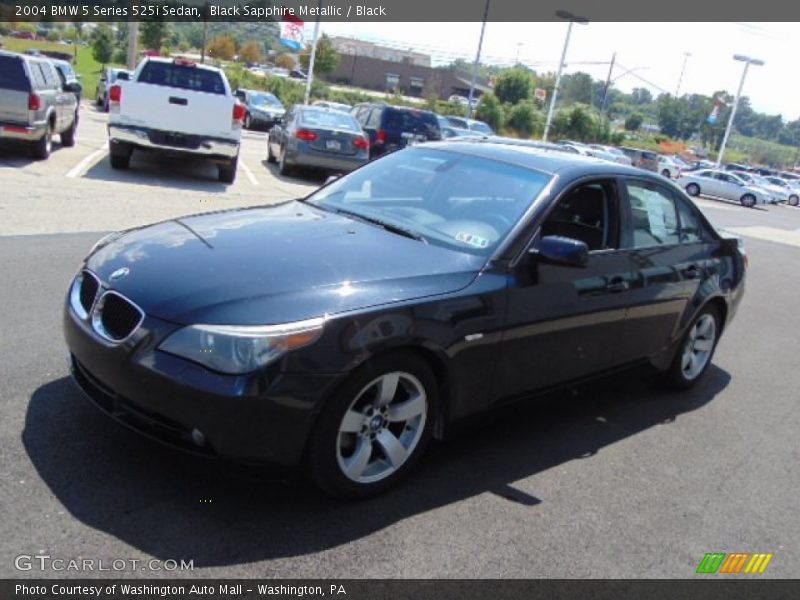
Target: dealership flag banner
[(292, 32), (718, 104)]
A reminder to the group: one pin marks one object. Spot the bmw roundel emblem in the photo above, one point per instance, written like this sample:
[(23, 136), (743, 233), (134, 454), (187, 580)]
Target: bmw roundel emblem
[(119, 273)]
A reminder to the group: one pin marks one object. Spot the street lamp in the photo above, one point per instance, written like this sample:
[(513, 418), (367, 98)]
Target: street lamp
[(567, 16), (747, 62), (686, 56)]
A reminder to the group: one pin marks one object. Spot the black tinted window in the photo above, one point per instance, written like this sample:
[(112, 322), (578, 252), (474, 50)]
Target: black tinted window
[(411, 121), (12, 75), (183, 77)]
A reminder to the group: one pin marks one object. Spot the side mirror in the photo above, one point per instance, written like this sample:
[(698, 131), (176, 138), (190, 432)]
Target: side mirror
[(562, 251), (123, 76), (332, 178)]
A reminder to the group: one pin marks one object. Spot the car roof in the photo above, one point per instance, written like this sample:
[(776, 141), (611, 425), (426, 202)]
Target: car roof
[(538, 157), (166, 60)]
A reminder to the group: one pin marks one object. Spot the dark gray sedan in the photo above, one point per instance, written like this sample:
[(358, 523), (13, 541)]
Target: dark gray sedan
[(318, 137)]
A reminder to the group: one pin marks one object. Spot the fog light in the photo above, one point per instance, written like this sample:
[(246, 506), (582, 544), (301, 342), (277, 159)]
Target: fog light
[(198, 437)]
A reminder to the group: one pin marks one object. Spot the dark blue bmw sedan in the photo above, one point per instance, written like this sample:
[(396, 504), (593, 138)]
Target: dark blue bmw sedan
[(344, 330)]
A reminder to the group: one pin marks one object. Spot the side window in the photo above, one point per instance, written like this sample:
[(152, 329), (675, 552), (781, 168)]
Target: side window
[(374, 120), (38, 76), (692, 229), (654, 220), (586, 213), (50, 77)]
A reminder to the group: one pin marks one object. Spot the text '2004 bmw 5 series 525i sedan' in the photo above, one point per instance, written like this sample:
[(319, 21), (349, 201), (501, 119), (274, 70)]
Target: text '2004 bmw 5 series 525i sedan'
[(343, 331)]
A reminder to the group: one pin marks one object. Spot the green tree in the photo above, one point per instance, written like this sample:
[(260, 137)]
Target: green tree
[(102, 43), (326, 59), (580, 123), (153, 34), (222, 47), (577, 88), (640, 96), (490, 111), (513, 85), (634, 122), (525, 119)]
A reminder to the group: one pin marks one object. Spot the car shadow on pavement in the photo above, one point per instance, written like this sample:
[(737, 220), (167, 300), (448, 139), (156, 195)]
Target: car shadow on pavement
[(173, 505), (17, 154), (301, 175), (151, 169)]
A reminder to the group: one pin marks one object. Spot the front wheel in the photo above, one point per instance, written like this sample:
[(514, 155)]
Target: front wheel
[(270, 155), (248, 121), (793, 200), (693, 189), (696, 350), (665, 173), (68, 136), (284, 168), (373, 430), (748, 200)]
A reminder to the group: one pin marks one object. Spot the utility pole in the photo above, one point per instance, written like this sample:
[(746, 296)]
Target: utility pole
[(310, 76), (477, 62), (133, 43), (686, 56), (608, 84), (205, 34), (747, 62)]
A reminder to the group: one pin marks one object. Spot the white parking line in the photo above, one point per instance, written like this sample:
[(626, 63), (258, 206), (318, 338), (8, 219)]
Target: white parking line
[(249, 173), (87, 162)]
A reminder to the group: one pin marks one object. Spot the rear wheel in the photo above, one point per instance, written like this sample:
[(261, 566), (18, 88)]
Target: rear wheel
[(41, 148), (665, 173), (696, 350), (270, 155), (119, 155), (374, 428), (227, 172), (693, 189), (748, 200), (68, 136), (284, 168), (793, 200), (248, 121)]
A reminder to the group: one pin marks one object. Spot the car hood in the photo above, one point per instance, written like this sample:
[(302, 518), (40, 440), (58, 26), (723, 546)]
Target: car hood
[(272, 265)]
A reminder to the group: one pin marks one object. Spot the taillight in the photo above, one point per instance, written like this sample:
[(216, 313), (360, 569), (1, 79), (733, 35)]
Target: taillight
[(115, 93), (361, 143), (380, 138), (34, 102), (306, 135), (239, 111)]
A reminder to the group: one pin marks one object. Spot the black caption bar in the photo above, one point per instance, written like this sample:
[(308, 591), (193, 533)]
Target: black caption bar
[(396, 10), (416, 589)]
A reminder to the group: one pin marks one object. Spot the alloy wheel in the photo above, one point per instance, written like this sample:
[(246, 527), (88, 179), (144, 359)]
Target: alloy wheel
[(382, 427), (699, 346)]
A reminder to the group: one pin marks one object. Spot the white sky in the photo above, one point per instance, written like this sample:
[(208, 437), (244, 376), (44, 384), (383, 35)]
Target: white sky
[(660, 47)]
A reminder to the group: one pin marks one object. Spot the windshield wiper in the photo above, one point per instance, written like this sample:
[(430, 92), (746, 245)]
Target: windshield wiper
[(387, 226)]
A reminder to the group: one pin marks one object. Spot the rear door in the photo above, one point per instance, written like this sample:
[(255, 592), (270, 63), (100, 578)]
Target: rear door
[(178, 97), (667, 269), (14, 90)]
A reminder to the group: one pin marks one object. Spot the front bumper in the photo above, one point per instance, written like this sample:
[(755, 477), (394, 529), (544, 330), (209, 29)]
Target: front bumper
[(264, 417), (168, 141), (26, 133)]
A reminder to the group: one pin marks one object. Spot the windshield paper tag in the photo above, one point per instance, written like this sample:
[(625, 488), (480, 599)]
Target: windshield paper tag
[(472, 240)]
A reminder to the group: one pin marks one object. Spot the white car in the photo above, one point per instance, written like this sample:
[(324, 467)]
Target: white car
[(177, 107), (668, 167), (790, 189), (779, 193), (723, 184), (619, 155)]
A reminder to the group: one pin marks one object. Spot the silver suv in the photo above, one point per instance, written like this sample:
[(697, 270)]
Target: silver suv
[(36, 103)]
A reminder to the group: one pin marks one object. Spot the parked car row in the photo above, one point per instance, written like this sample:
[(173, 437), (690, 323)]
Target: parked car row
[(38, 99)]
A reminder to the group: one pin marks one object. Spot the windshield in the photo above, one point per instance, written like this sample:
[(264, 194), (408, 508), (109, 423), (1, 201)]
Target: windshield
[(265, 100), (480, 127), (454, 200)]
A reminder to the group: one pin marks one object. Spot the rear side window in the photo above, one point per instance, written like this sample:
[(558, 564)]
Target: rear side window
[(39, 81), (692, 229), (51, 77), (654, 219), (411, 121), (374, 119), (183, 77), (12, 75)]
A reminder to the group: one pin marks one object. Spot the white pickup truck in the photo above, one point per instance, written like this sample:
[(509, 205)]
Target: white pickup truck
[(176, 107)]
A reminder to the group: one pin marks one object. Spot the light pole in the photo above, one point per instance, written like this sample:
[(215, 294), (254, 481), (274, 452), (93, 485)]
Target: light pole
[(477, 62), (747, 62), (568, 16), (686, 56), (516, 56)]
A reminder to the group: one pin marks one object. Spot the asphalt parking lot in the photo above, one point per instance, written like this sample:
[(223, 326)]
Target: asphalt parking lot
[(614, 479)]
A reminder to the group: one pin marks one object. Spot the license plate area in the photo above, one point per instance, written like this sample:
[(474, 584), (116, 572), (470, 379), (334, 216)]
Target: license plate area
[(333, 145)]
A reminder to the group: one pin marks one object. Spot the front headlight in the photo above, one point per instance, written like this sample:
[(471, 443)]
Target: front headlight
[(236, 349)]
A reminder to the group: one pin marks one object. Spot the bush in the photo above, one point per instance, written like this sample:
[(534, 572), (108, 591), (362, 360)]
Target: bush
[(513, 85), (634, 122), (525, 119), (120, 56), (490, 111)]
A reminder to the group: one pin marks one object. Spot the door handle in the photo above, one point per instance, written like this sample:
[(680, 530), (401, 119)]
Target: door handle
[(692, 272), (179, 101), (617, 284)]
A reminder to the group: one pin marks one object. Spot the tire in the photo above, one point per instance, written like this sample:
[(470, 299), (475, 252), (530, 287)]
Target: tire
[(270, 155), (693, 189), (793, 200), (284, 168), (691, 361), (226, 173), (248, 121), (41, 148), (388, 438), (666, 173), (119, 155), (748, 200), (68, 136)]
